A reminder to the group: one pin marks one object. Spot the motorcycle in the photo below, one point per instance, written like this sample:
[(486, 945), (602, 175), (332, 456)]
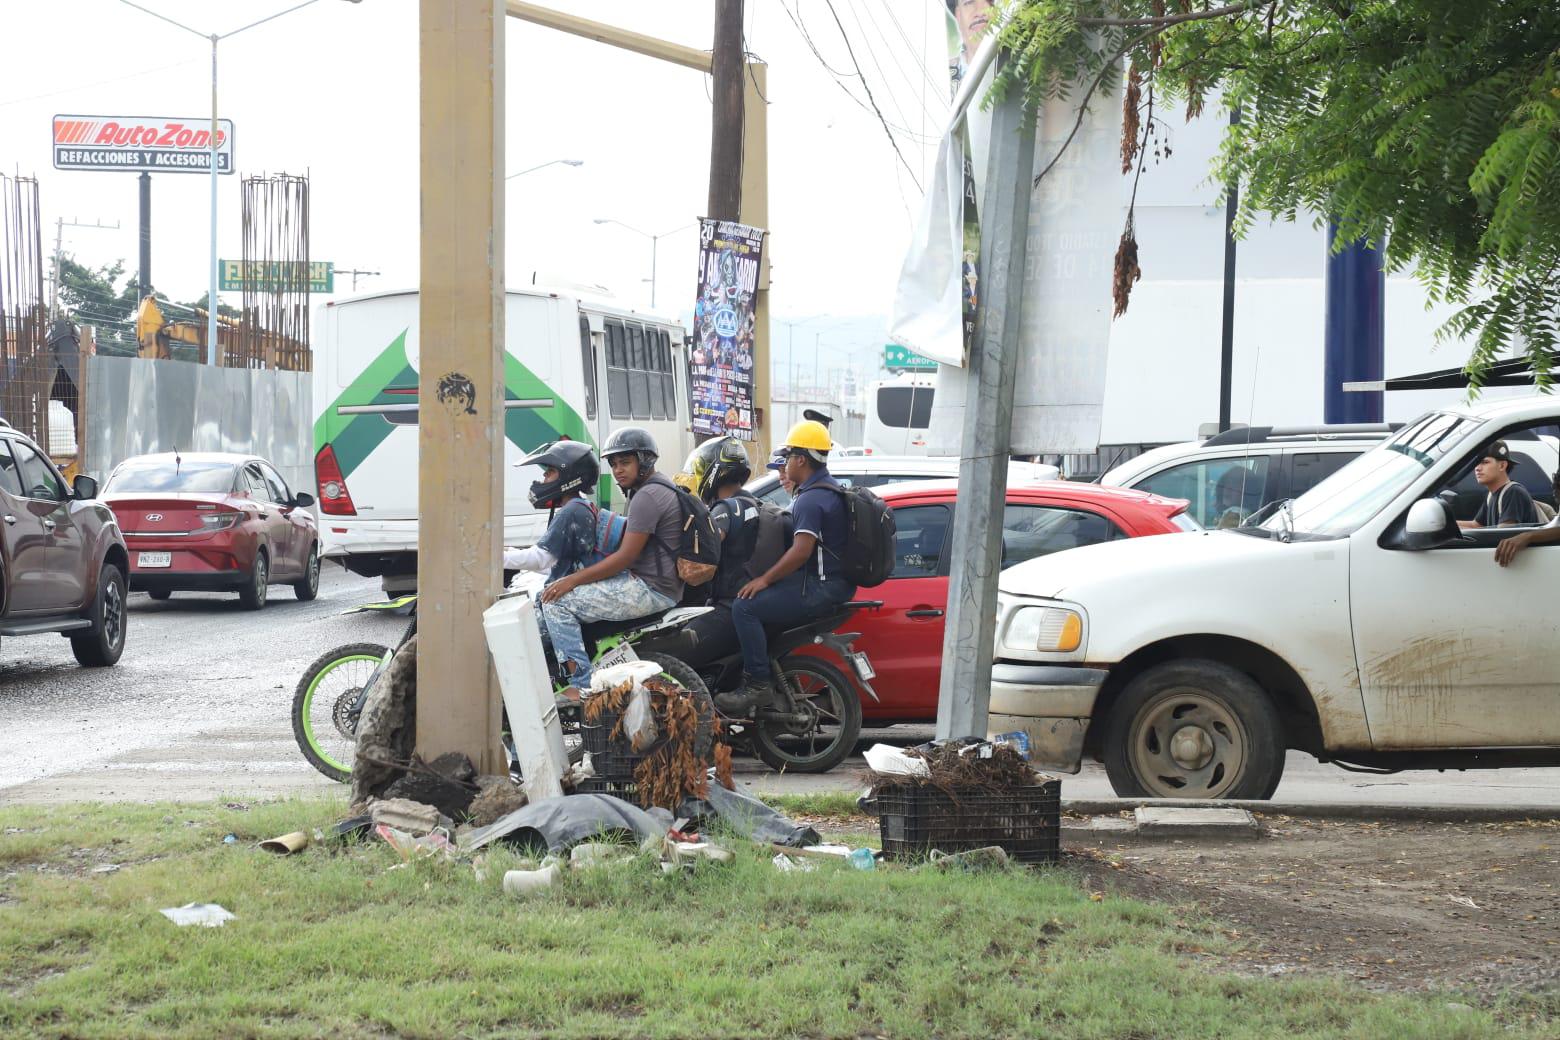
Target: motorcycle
[(815, 726)]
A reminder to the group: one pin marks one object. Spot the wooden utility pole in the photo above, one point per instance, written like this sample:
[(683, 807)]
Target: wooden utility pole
[(728, 75), (964, 697), (752, 148), (460, 397)]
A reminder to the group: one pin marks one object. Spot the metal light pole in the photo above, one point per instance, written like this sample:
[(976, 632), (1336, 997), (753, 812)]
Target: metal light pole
[(215, 38), (654, 239)]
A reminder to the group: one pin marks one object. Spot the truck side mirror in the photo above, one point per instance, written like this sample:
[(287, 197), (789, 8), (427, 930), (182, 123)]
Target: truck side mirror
[(1430, 525)]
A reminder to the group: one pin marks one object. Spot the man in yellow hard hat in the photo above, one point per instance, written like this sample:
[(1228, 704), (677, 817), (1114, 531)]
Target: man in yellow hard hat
[(803, 583)]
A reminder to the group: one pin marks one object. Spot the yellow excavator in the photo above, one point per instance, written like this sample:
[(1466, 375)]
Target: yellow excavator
[(155, 333)]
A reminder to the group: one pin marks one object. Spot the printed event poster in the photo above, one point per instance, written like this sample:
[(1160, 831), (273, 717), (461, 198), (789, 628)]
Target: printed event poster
[(720, 368)]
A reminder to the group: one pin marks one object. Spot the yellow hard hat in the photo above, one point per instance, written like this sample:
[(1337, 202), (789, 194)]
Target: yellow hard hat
[(811, 435)]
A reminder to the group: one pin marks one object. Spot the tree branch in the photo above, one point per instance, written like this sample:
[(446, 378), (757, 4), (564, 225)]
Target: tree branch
[(1165, 21), (1083, 108)]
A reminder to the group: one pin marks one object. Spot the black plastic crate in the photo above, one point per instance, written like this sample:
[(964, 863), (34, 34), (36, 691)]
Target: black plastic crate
[(613, 760), (1025, 822), (595, 785)]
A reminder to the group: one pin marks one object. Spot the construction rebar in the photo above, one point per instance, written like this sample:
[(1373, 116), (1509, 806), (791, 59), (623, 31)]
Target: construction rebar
[(274, 331), (26, 369)]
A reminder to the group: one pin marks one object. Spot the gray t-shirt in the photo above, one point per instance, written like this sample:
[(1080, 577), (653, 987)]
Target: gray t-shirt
[(654, 510)]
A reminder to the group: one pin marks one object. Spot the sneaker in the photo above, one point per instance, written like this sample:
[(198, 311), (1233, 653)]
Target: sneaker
[(743, 700)]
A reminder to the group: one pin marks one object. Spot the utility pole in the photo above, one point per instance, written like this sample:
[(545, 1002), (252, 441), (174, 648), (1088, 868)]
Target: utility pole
[(726, 70), (460, 397), (1227, 327), (964, 696), (144, 276), (60, 224), (753, 154), (354, 273)]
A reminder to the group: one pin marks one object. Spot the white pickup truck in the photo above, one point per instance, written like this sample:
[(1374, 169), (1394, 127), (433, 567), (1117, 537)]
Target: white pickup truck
[(1356, 623)]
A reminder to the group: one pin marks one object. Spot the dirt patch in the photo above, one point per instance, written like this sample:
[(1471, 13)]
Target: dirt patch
[(1400, 906)]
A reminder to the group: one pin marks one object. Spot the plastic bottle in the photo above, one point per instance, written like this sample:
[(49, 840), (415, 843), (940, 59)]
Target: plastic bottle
[(862, 859)]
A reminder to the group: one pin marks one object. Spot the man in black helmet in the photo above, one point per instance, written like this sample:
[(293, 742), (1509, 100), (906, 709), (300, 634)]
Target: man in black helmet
[(578, 532), (640, 578)]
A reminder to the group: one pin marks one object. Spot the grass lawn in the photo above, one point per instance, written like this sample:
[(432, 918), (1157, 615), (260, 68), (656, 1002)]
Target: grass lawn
[(333, 943)]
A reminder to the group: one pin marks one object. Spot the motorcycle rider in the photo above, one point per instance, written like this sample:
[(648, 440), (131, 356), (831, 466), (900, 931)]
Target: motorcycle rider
[(639, 578), (807, 580), (716, 471), (577, 530)]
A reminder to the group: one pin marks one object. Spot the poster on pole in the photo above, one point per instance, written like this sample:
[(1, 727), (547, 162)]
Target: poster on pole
[(1075, 217), (720, 365)]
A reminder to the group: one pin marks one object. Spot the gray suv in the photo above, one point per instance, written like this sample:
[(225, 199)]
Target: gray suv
[(62, 559)]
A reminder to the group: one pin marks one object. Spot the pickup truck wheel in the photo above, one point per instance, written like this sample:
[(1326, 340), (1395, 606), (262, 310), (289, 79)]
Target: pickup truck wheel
[(1194, 729), (101, 645)]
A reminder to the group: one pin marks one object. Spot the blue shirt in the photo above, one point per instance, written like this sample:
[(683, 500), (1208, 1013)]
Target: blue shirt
[(571, 537), (819, 511)]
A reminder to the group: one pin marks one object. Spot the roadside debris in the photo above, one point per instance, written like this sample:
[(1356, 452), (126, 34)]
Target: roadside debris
[(206, 915), (448, 783), (956, 796), (992, 857), (748, 817), (403, 814), (526, 883), (786, 865), (409, 847), (287, 844), (643, 730), (497, 796), (558, 823), (386, 732)]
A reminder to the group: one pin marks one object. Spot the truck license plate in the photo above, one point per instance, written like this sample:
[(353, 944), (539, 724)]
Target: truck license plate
[(152, 559), (863, 666)]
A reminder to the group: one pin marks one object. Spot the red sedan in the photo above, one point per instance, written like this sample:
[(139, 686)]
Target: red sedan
[(904, 639), (214, 522)]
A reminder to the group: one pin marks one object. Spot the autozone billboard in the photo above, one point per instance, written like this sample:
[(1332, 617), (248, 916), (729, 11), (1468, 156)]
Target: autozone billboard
[(139, 143)]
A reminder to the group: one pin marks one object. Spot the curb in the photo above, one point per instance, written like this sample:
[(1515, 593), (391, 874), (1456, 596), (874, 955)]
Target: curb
[(1324, 810)]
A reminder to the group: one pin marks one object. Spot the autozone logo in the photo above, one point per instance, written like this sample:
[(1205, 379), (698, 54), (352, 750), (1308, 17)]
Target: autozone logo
[(112, 133)]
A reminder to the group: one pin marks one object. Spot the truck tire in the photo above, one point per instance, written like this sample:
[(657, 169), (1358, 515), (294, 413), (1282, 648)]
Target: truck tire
[(1194, 729)]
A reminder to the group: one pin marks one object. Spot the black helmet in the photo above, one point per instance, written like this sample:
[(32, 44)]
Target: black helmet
[(577, 469), (718, 461), (816, 416), (634, 439)]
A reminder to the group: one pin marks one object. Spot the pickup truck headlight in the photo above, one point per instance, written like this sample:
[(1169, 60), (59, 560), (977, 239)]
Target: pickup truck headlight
[(1052, 630)]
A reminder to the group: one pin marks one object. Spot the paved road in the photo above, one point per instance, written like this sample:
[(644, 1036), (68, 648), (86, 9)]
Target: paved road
[(198, 708)]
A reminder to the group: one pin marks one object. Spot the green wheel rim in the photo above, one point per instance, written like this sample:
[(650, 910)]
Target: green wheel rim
[(308, 708)]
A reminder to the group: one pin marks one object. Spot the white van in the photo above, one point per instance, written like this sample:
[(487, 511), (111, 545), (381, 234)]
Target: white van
[(1357, 623), (899, 412), (572, 368)]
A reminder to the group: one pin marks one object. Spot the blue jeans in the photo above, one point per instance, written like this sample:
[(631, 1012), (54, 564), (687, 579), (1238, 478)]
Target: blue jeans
[(785, 604), (618, 598)]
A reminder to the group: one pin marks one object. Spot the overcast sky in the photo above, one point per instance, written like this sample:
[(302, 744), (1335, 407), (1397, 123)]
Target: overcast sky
[(332, 90)]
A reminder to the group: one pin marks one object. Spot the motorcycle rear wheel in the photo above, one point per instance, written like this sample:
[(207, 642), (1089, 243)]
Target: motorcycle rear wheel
[(823, 691)]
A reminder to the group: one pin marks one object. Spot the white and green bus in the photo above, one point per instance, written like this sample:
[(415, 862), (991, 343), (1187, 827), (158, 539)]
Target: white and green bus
[(572, 368)]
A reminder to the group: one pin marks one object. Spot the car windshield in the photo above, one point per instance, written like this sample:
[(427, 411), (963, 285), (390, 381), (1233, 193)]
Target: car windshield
[(1339, 505), (188, 476)]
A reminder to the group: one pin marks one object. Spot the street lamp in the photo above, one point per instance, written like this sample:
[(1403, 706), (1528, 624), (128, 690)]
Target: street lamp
[(215, 38), (549, 162), (790, 343), (653, 240)]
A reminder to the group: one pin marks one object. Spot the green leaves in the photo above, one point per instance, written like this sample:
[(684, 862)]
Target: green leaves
[(1431, 127)]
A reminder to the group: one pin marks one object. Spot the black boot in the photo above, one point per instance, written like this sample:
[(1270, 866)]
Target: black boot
[(741, 702)]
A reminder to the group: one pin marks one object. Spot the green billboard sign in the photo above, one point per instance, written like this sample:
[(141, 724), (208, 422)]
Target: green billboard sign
[(899, 359), (236, 276)]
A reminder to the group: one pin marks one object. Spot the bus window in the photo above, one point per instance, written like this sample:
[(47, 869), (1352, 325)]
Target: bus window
[(668, 385), (653, 373), (905, 407), (617, 371), (638, 393), (588, 367)]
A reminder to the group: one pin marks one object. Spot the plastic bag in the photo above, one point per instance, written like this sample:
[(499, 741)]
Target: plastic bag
[(639, 720)]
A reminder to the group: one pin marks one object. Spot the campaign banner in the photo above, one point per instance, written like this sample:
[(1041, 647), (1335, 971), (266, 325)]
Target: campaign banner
[(720, 365), (140, 144)]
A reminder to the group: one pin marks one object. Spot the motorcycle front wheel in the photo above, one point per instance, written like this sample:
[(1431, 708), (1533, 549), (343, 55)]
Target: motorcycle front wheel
[(329, 689), (826, 697)]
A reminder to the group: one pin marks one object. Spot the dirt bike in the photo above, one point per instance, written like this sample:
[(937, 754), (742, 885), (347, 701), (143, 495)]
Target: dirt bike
[(329, 698)]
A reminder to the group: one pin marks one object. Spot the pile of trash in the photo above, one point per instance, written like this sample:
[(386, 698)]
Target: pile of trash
[(965, 766), (654, 734)]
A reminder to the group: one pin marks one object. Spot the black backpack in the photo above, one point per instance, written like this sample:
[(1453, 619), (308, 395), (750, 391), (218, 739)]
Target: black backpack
[(870, 548), (698, 549), (773, 530)]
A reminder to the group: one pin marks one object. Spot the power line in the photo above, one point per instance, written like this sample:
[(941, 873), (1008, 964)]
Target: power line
[(840, 77), (864, 86), (919, 57), (866, 44)]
